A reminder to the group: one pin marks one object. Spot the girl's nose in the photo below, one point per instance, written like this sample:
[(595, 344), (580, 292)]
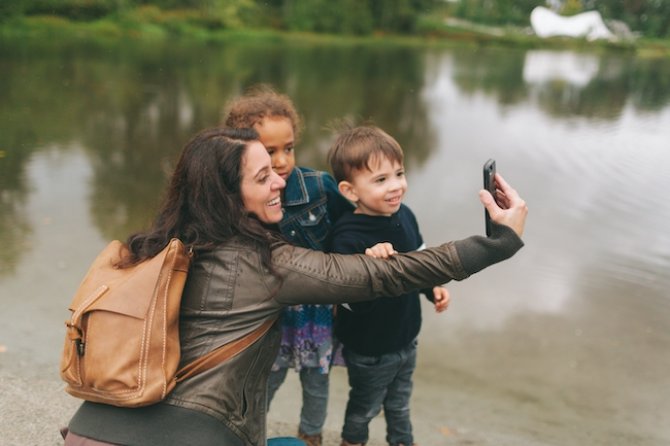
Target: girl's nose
[(279, 160)]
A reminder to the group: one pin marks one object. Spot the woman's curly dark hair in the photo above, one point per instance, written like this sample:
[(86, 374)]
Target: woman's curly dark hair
[(203, 206)]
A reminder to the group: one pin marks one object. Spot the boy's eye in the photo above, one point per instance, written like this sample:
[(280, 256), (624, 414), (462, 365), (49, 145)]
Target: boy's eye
[(289, 149), (401, 174), (381, 179), (271, 151)]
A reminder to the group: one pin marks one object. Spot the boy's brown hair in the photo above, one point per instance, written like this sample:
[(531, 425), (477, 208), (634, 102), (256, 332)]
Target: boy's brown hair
[(259, 102), (355, 148)]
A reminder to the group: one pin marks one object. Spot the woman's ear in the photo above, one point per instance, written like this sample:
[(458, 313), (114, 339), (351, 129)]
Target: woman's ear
[(348, 191)]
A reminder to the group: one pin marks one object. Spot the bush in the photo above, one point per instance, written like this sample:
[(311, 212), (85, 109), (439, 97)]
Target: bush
[(73, 9), (354, 16), (11, 8)]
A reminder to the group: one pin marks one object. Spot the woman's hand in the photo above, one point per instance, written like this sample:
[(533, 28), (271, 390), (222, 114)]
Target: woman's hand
[(508, 208)]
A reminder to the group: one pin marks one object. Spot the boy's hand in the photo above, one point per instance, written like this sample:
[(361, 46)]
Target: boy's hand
[(441, 298), (382, 250)]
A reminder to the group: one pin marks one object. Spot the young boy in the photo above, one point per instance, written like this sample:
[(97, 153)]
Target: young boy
[(379, 337)]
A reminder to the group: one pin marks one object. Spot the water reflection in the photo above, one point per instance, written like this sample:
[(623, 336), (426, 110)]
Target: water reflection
[(543, 66), (132, 108), (565, 84), (548, 340)]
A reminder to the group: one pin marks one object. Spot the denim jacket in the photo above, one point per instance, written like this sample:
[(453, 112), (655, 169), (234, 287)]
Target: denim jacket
[(311, 204)]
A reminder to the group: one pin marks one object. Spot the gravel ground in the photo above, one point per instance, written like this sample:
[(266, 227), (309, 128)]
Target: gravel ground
[(33, 407)]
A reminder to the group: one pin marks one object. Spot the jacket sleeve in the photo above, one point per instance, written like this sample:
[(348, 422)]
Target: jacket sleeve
[(315, 277)]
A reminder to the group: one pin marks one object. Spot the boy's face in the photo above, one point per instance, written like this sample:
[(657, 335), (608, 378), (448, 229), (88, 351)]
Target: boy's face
[(378, 191), (276, 134)]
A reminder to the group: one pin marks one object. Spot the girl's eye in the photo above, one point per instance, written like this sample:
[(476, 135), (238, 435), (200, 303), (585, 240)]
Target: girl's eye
[(270, 151), (401, 174), (288, 149), (381, 179)]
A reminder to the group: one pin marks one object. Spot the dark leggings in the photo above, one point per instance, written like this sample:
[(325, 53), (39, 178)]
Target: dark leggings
[(72, 439)]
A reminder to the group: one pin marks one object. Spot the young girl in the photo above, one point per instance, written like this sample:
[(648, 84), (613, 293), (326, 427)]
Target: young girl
[(311, 204)]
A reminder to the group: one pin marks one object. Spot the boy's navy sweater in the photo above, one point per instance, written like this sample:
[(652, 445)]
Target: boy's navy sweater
[(384, 325)]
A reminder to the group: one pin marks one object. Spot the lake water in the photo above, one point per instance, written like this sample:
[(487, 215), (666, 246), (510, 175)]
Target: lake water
[(565, 344)]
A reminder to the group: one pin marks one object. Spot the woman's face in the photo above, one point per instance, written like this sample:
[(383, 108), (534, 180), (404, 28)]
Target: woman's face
[(261, 187), (276, 134)]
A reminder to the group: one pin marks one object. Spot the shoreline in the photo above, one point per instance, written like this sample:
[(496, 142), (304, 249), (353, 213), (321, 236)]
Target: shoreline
[(55, 30)]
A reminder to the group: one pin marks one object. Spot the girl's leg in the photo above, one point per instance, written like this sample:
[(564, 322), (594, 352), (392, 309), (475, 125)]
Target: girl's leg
[(275, 380), (314, 400)]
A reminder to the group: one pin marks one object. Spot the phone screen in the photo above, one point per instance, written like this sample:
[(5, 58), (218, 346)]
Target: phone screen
[(489, 185)]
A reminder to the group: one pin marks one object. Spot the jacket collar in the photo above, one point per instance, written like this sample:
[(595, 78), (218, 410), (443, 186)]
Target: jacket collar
[(296, 192)]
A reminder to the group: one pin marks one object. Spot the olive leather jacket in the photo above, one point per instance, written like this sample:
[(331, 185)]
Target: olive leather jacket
[(228, 294)]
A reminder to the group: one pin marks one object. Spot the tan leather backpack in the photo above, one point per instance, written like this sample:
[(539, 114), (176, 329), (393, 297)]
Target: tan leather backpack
[(122, 341)]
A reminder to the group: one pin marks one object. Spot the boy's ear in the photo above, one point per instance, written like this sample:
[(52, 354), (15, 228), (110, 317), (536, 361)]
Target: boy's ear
[(347, 190)]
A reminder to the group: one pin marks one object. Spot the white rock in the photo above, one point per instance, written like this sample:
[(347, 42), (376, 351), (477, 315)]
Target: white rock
[(589, 25)]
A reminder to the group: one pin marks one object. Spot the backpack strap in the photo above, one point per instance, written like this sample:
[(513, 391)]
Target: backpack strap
[(223, 352)]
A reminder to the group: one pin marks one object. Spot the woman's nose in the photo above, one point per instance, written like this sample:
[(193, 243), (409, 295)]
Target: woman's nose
[(278, 182)]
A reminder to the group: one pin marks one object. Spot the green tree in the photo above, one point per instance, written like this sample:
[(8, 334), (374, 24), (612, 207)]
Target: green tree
[(497, 12), (352, 16), (11, 8), (73, 9), (572, 7), (649, 17), (398, 15)]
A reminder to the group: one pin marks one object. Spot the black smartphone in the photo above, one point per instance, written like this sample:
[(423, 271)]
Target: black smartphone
[(489, 185)]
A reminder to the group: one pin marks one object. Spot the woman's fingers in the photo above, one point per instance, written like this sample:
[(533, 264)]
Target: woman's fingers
[(510, 209)]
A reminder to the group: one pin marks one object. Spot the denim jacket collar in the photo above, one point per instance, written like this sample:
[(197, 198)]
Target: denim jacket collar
[(296, 191)]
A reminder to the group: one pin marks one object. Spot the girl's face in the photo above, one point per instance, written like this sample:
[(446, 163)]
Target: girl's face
[(276, 134), (261, 187)]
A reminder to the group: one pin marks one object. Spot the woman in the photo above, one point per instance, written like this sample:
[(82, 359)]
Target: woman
[(224, 202)]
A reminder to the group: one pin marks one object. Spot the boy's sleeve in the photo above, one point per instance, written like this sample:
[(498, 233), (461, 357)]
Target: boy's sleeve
[(428, 294), (341, 244), (347, 245)]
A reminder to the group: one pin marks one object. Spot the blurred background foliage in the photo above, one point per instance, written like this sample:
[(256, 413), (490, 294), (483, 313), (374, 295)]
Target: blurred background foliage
[(650, 18)]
